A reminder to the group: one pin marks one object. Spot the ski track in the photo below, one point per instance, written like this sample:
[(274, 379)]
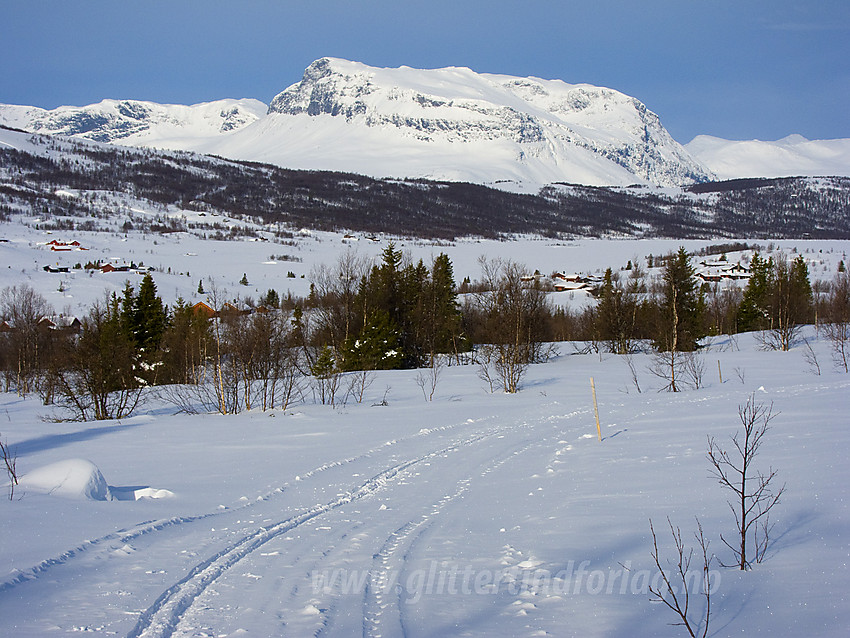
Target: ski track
[(107, 542), (383, 607), (161, 618)]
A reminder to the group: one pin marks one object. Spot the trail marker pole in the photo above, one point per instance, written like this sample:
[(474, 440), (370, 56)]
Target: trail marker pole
[(596, 409), (719, 372)]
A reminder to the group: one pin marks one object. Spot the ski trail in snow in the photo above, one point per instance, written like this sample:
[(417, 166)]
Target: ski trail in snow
[(107, 542), (383, 606), (161, 618), (382, 595), (121, 537)]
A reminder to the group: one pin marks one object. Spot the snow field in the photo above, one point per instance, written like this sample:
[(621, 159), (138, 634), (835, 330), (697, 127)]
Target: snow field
[(474, 514)]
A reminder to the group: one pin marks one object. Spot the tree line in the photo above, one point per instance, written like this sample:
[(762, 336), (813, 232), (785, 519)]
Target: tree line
[(361, 317)]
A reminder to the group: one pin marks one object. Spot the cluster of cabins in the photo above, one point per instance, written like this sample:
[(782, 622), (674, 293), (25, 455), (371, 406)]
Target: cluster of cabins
[(563, 282), (62, 246), (706, 272), (715, 271), (59, 323), (104, 268)]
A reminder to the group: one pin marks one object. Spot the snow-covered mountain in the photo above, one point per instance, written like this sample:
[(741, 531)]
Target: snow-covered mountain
[(789, 157), (446, 124), (137, 123), (460, 125), (449, 123)]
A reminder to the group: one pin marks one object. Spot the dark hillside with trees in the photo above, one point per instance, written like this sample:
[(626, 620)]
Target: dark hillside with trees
[(776, 208)]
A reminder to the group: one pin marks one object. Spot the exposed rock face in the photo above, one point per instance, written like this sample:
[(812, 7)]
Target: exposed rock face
[(544, 119)]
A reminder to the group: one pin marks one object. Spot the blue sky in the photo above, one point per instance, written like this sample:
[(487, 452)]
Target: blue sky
[(739, 69)]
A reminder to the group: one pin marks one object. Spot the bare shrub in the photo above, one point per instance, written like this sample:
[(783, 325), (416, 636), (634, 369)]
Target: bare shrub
[(811, 357), (427, 378), (676, 586), (629, 359), (753, 493), (694, 370), (10, 460), (359, 382)]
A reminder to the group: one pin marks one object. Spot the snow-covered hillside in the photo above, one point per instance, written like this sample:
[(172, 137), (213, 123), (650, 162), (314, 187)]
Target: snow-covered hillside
[(456, 124), (789, 157), (449, 123), (474, 514), (137, 123)]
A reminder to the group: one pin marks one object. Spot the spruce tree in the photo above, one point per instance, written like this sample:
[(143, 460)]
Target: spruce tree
[(682, 306), (445, 316), (754, 312), (149, 318)]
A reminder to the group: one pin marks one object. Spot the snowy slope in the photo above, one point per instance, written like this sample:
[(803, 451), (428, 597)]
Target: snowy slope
[(137, 123), (789, 157), (475, 514), (456, 124), (447, 123)]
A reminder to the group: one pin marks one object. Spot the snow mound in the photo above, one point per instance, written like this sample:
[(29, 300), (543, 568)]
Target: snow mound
[(73, 478)]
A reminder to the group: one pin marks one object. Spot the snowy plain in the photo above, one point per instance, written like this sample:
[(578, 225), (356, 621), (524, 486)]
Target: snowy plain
[(475, 514)]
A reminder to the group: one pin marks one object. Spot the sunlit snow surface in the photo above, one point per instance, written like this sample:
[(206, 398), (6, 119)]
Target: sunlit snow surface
[(791, 156), (475, 514)]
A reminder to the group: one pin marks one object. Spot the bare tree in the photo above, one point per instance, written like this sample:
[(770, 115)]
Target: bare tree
[(98, 380), (327, 377), (512, 312), (427, 378), (10, 460), (669, 366), (359, 382), (629, 359), (677, 584), (811, 357), (21, 308), (334, 293), (753, 491), (790, 303), (837, 328), (484, 356)]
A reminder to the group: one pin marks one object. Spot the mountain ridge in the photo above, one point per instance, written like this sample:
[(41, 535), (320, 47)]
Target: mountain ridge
[(448, 124)]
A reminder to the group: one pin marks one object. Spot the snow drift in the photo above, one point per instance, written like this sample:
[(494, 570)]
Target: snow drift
[(73, 478)]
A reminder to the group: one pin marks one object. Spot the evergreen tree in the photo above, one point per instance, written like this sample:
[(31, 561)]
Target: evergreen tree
[(444, 315), (271, 299), (377, 348), (616, 315), (149, 318), (100, 378), (754, 313), (682, 306)]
